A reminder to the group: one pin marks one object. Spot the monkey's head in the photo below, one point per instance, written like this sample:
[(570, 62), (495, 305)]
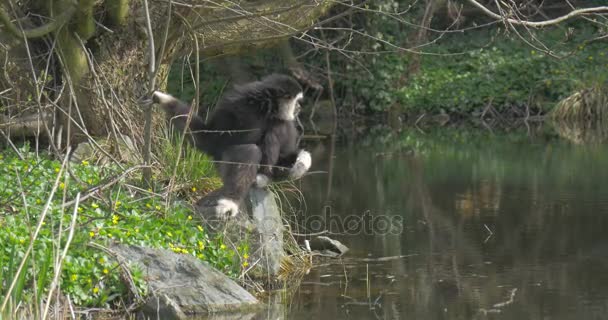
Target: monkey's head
[(288, 94)]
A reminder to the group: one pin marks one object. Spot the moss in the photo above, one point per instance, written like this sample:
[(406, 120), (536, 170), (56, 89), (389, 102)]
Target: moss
[(117, 11), (85, 23), (72, 54)]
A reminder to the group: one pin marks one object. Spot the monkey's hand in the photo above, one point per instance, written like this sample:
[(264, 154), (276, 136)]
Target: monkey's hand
[(301, 166)]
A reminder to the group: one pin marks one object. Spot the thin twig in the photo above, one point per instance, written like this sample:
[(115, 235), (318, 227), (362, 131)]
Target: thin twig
[(147, 173), (540, 24), (63, 255)]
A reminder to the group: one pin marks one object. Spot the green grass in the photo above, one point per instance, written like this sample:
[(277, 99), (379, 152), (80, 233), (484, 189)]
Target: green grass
[(121, 213)]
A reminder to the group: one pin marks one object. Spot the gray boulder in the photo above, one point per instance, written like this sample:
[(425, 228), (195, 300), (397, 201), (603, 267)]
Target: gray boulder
[(261, 224), (181, 285), (269, 228), (328, 246)]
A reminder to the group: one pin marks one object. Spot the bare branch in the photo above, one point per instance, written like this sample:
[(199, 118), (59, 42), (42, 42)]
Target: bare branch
[(540, 24), (37, 32)]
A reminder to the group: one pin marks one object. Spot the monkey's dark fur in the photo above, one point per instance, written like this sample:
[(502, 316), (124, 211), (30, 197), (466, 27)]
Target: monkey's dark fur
[(251, 133)]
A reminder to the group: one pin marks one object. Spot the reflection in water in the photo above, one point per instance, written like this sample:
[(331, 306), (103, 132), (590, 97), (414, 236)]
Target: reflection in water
[(500, 230)]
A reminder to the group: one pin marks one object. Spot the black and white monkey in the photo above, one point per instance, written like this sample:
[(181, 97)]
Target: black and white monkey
[(251, 134)]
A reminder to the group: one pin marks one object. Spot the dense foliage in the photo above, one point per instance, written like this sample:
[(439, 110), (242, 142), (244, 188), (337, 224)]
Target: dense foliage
[(466, 72), (121, 214)]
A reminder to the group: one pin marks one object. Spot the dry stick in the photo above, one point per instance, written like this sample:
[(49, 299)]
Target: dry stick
[(37, 32), (147, 173), (27, 214), (334, 124), (163, 45), (31, 65), (540, 24), (83, 129), (35, 236), (194, 109), (103, 186), (63, 255)]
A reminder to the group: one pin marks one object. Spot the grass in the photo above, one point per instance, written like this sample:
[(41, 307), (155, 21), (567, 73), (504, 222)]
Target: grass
[(56, 219)]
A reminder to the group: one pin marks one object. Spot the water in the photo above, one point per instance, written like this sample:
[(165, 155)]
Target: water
[(475, 227)]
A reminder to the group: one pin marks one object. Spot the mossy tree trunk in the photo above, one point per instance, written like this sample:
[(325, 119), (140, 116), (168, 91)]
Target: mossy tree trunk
[(88, 61)]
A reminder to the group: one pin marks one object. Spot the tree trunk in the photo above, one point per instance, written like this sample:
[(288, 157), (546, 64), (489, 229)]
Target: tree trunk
[(93, 69)]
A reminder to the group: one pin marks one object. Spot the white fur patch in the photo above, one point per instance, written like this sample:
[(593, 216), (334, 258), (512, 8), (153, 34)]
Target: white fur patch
[(226, 208), (301, 166), (262, 180), (162, 97), (287, 110)]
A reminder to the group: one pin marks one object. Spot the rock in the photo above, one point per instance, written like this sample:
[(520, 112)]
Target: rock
[(181, 285), (262, 225), (328, 246), (269, 225)]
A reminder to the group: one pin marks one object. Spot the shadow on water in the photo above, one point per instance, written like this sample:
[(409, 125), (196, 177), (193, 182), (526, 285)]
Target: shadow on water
[(465, 227)]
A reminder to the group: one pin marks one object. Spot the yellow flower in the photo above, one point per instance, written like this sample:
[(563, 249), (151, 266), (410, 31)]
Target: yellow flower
[(74, 277), (92, 234), (201, 256), (157, 207), (245, 264), (90, 181), (223, 247), (117, 204), (201, 245), (199, 228), (94, 205), (62, 186), (101, 260), (115, 219), (185, 251), (38, 201), (148, 205), (193, 189), (169, 234), (245, 256), (22, 241), (95, 290), (85, 163), (56, 170), (105, 271), (189, 217), (79, 209)]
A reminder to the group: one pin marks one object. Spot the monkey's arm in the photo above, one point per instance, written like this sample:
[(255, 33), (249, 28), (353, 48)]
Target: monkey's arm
[(177, 112), (290, 167), (271, 149)]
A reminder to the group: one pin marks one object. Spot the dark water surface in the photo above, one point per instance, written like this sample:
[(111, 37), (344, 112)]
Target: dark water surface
[(494, 228)]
